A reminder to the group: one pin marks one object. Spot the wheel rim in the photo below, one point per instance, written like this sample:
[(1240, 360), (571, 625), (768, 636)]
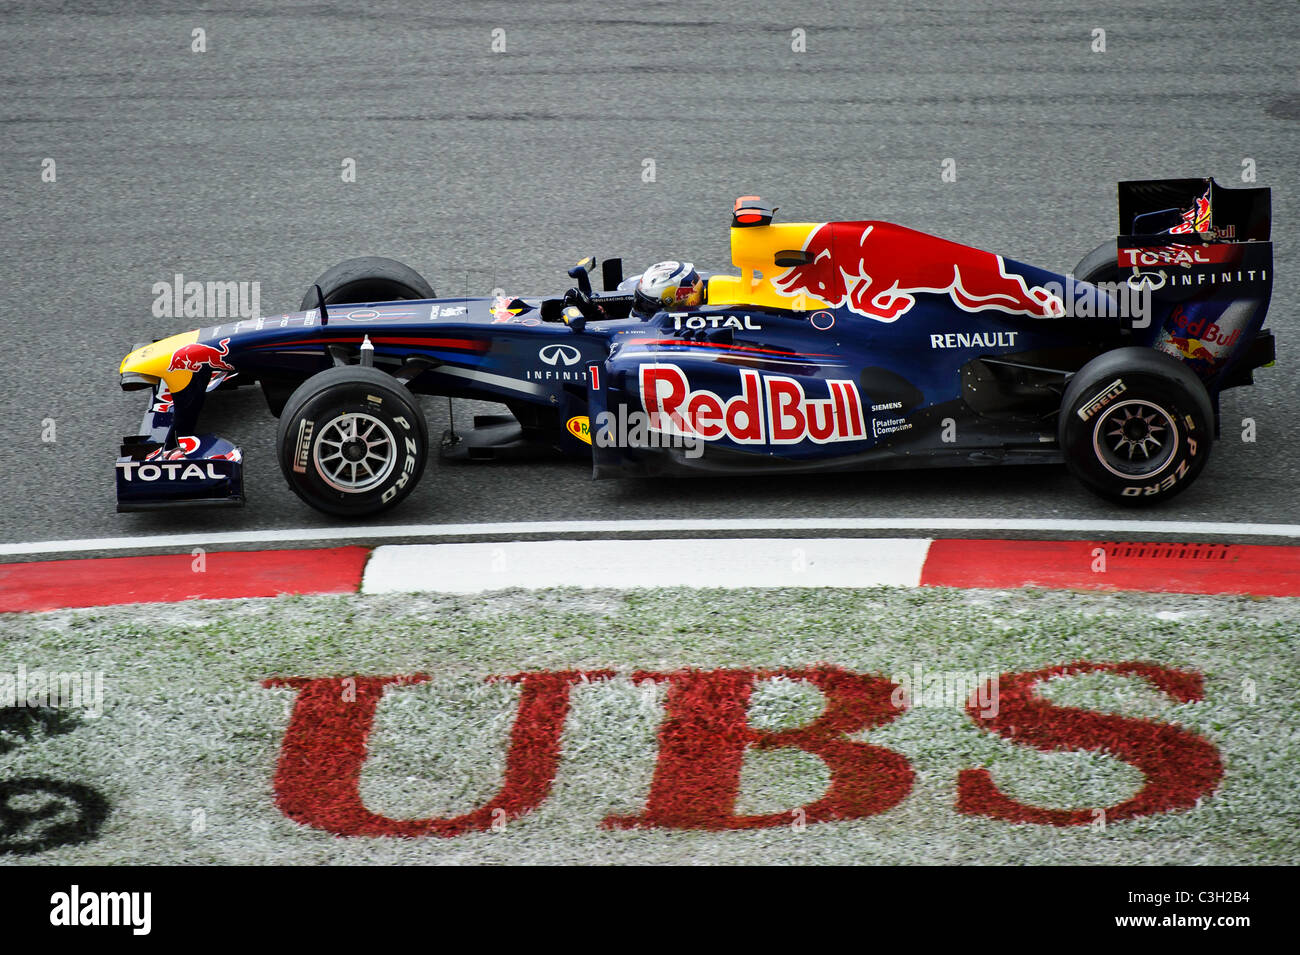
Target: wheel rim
[(355, 453), (1135, 439)]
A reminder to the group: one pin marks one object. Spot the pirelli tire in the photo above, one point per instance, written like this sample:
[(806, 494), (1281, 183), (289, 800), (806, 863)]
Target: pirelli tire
[(352, 441), (1136, 426), (370, 278), (1100, 265)]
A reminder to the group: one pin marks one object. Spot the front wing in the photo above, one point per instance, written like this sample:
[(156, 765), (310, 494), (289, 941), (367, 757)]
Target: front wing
[(157, 468)]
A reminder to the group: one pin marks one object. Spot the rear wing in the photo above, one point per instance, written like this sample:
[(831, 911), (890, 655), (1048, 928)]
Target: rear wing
[(1194, 206), (1204, 253)]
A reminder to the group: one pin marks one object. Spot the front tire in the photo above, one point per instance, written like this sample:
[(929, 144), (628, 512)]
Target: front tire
[(352, 441), (370, 278), (1136, 426)]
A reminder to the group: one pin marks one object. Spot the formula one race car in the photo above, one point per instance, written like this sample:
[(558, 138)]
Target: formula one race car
[(840, 345)]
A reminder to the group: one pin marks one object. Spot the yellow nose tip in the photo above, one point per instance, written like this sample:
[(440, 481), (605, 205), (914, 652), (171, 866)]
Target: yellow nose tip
[(155, 360)]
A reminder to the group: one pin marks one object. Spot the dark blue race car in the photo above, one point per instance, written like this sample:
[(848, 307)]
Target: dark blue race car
[(839, 345)]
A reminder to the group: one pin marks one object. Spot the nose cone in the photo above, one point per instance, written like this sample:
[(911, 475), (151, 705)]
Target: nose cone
[(153, 360)]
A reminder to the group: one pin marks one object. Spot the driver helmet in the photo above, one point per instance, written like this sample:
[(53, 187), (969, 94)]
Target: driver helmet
[(668, 285)]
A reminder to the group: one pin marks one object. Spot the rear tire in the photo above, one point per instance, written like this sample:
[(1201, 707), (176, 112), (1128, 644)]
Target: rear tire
[(1136, 426), (1100, 265), (352, 441), (368, 279)]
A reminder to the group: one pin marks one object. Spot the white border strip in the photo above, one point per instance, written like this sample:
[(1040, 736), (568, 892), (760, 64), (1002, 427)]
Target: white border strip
[(631, 564), (329, 535)]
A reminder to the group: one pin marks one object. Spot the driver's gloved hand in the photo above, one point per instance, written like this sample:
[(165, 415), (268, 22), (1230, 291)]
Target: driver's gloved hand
[(576, 296)]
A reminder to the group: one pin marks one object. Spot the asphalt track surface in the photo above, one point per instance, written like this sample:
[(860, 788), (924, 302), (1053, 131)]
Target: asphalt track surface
[(486, 169)]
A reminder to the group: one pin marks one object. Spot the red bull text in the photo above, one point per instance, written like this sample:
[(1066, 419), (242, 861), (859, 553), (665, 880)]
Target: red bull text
[(770, 409)]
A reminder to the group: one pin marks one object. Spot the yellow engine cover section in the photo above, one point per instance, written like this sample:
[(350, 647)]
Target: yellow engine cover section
[(753, 251)]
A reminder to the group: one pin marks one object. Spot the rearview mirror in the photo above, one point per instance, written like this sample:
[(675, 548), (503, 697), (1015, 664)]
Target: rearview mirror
[(582, 272)]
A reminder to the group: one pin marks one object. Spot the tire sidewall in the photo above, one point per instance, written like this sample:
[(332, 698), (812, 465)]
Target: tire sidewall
[(1115, 384), (321, 401)]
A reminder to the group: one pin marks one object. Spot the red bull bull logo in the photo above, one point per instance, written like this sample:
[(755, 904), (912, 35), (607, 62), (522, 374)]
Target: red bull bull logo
[(1192, 348), (162, 403), (187, 444), (1195, 219), (188, 447), (196, 357), (876, 270), (1197, 339)]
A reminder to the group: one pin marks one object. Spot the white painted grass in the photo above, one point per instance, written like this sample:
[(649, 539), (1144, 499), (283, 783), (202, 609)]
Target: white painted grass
[(187, 726)]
